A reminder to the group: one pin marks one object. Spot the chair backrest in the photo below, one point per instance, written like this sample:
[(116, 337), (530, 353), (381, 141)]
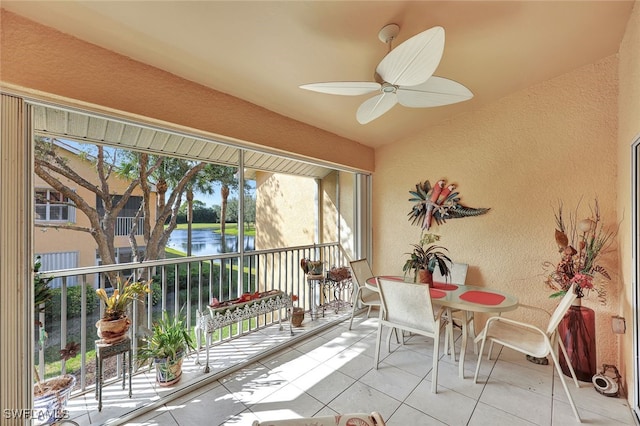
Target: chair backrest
[(407, 304), (561, 309), (360, 273), (457, 274)]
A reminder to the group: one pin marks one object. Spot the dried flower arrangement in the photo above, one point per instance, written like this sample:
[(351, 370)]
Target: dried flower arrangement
[(581, 244)]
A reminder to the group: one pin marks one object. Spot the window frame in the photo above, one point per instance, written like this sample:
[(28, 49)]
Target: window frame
[(63, 204)]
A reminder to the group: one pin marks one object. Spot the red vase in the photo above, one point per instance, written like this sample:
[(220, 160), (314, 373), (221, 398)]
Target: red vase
[(578, 333)]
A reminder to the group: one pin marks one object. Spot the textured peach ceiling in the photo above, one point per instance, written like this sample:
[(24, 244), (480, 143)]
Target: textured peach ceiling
[(262, 51)]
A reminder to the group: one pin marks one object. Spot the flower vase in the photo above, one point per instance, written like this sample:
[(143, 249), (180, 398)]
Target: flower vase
[(578, 333)]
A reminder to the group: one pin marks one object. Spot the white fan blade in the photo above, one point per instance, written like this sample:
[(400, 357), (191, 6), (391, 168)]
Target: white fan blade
[(375, 107), (347, 88), (436, 91), (415, 60)]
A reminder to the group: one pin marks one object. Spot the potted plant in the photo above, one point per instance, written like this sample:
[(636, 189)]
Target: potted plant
[(165, 348), (49, 396), (423, 260), (297, 313), (114, 324)]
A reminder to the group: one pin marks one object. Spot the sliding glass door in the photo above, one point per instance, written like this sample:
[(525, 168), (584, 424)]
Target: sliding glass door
[(635, 219)]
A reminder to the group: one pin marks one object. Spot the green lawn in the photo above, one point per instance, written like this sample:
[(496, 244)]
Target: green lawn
[(230, 228)]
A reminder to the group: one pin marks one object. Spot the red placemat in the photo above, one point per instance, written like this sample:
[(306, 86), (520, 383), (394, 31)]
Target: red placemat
[(437, 294), (444, 286), (482, 297)]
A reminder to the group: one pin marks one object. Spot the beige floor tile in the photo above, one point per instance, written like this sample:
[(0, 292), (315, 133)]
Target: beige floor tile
[(484, 415), (211, 407), (287, 402), (324, 383), (360, 398), (407, 415), (155, 419), (447, 406), (391, 380), (332, 372), (520, 402)]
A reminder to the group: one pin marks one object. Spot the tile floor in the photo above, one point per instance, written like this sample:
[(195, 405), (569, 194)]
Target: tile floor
[(332, 371)]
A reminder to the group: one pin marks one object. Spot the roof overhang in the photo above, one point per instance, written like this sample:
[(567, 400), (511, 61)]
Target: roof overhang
[(82, 127)]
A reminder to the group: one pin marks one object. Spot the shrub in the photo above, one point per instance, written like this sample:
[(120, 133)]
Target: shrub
[(74, 305)]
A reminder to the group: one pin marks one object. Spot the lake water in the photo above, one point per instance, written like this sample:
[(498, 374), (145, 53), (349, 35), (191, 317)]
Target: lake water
[(205, 241)]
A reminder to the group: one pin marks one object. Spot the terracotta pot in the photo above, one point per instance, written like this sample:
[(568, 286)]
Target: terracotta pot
[(425, 277), (113, 331), (297, 317)]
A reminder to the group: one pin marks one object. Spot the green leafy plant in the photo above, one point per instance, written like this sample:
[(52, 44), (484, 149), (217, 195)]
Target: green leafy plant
[(124, 294), (169, 339), (42, 293), (42, 298), (427, 258)]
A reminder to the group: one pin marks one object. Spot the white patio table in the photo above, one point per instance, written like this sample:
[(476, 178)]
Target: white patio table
[(468, 298)]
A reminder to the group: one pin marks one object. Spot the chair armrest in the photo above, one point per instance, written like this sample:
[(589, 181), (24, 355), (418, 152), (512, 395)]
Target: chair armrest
[(491, 320), (535, 308), (358, 291), (514, 322)]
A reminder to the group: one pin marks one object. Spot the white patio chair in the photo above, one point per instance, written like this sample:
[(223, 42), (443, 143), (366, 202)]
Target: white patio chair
[(531, 340), (407, 307), (360, 272), (360, 419), (457, 275)]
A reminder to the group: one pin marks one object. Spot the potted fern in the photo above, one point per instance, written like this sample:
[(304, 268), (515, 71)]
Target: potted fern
[(423, 260), (165, 348)]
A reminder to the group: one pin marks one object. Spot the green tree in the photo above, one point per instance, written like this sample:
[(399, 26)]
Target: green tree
[(226, 177), (232, 210), (202, 184), (139, 169), (249, 209)]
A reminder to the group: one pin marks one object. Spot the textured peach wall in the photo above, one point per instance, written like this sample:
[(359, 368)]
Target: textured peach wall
[(629, 130), (285, 212), (40, 58), (519, 156)]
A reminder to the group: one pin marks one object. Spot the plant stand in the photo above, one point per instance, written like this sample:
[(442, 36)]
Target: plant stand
[(105, 350), (342, 291)]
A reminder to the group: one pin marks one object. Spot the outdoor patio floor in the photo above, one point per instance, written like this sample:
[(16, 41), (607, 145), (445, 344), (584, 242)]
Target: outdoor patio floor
[(327, 369)]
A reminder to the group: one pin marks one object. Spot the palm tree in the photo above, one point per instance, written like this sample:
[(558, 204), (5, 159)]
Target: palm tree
[(202, 184)]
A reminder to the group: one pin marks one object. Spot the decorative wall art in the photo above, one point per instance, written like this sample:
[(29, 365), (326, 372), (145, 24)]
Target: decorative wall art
[(439, 202)]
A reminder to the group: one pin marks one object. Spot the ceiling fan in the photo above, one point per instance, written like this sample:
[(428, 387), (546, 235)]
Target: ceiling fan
[(405, 76)]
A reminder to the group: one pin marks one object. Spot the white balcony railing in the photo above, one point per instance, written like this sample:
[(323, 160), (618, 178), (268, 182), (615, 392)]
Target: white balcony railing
[(183, 285)]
